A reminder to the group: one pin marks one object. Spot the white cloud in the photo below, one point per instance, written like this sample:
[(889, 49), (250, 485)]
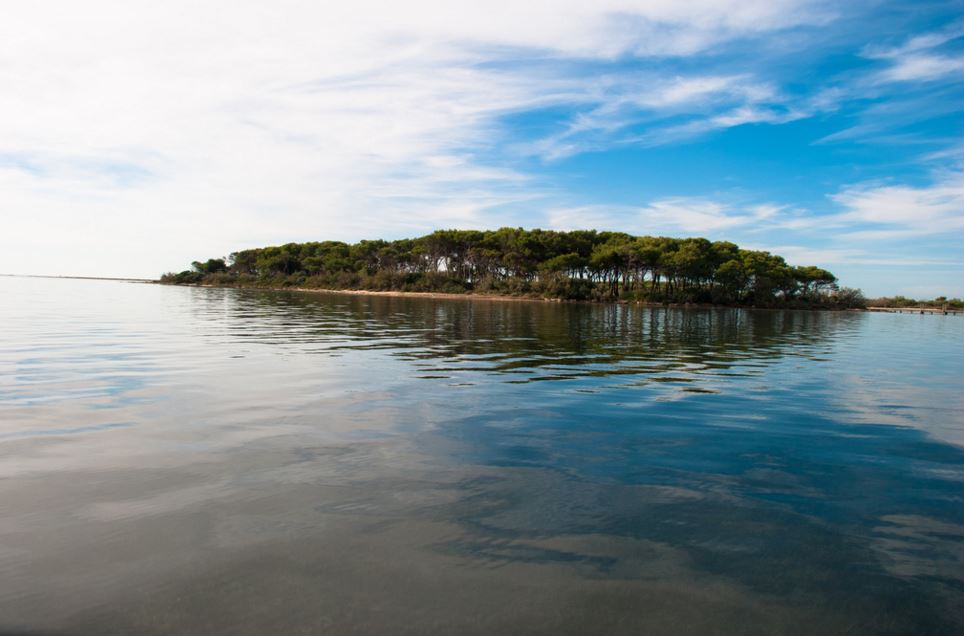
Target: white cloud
[(806, 255), (137, 136), (697, 215), (922, 67), (697, 90), (916, 60), (655, 103), (902, 210), (691, 216), (743, 102), (837, 240), (830, 256)]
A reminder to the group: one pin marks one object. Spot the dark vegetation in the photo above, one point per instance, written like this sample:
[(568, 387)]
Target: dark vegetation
[(577, 265), (941, 302)]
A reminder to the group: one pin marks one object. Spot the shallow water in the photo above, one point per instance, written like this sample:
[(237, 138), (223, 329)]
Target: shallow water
[(180, 460)]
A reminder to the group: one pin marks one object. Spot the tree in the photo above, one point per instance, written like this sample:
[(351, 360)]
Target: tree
[(577, 264), (212, 266)]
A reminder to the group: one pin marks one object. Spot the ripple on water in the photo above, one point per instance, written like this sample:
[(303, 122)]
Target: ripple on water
[(187, 459)]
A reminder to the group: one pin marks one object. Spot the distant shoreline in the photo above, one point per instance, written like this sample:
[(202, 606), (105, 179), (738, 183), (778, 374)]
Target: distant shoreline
[(915, 310), (128, 280), (492, 297)]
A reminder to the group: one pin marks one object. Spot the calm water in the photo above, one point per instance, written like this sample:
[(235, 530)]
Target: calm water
[(180, 460)]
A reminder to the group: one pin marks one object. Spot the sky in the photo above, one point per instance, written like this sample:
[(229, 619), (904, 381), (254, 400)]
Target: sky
[(136, 137)]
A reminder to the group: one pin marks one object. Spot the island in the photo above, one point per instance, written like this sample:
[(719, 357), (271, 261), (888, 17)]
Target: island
[(586, 265)]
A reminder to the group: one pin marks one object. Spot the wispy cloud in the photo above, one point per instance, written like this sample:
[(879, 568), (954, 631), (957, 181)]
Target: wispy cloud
[(138, 122), (649, 111), (831, 256), (902, 210), (867, 224), (673, 216), (617, 109), (137, 136), (917, 60), (909, 84), (700, 215)]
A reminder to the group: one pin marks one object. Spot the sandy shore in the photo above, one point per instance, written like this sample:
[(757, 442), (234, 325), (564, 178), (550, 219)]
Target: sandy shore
[(498, 298), (468, 296), (407, 294)]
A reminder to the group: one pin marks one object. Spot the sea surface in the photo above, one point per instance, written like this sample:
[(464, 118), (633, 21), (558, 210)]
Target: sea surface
[(211, 461)]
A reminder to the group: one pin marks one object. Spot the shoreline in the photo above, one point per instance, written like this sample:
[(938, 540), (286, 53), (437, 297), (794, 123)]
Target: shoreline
[(390, 293), (113, 278), (916, 310), (393, 293), (499, 298)]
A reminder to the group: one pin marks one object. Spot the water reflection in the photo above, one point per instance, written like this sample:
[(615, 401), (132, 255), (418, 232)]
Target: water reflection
[(225, 461), (529, 337)]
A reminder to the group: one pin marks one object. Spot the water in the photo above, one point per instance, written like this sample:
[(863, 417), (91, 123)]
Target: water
[(179, 460)]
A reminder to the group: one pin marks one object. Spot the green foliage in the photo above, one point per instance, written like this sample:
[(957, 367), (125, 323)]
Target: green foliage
[(583, 265), (212, 266), (848, 298)]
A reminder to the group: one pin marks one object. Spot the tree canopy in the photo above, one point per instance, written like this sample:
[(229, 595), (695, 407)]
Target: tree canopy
[(581, 264)]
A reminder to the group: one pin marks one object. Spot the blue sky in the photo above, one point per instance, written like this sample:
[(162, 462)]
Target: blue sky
[(135, 137)]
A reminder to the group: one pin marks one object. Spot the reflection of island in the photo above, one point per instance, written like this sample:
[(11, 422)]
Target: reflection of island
[(758, 500), (341, 464), (542, 341)]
